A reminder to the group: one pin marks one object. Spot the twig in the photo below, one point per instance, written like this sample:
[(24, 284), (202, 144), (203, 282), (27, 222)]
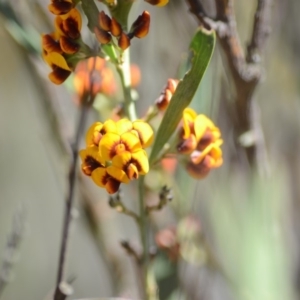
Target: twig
[(246, 72), (87, 102), (12, 247)]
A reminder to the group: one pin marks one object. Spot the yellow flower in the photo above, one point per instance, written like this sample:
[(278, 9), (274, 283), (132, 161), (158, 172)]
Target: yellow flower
[(115, 153), (91, 160), (200, 138), (202, 162), (197, 131)]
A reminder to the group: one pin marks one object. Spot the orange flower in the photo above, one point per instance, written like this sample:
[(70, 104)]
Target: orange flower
[(92, 75)]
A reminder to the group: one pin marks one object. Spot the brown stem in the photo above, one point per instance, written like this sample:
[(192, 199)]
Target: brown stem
[(245, 72), (69, 202), (87, 101)]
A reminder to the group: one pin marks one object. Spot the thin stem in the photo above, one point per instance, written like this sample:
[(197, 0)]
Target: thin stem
[(86, 103), (143, 227), (70, 200), (124, 72)]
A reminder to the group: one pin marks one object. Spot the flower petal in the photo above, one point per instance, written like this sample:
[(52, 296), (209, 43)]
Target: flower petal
[(188, 118), (117, 174), (49, 44), (140, 159), (144, 131), (59, 75), (100, 176), (56, 59), (68, 45), (60, 7), (123, 125), (121, 160), (91, 160), (131, 142), (109, 126), (108, 144), (93, 135), (112, 185)]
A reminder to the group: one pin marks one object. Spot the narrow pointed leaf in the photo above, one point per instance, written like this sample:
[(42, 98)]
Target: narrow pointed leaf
[(202, 47)]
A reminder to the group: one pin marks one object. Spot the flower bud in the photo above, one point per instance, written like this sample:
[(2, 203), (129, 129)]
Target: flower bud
[(102, 36), (104, 21), (115, 28), (124, 41), (140, 27)]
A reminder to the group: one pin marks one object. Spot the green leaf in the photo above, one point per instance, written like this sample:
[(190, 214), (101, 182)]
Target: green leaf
[(91, 11), (202, 47)]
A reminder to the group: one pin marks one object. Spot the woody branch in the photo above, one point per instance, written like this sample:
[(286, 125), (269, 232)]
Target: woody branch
[(245, 69)]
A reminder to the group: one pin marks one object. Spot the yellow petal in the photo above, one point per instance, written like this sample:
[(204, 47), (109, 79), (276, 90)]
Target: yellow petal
[(99, 176), (76, 16), (123, 125), (188, 118), (121, 160), (200, 126), (93, 135), (131, 142), (56, 59), (144, 131), (109, 126), (108, 144), (140, 159), (117, 174)]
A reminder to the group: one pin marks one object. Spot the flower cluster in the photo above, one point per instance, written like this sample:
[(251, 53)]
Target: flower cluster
[(115, 152), (165, 96), (201, 140), (60, 47), (110, 27)]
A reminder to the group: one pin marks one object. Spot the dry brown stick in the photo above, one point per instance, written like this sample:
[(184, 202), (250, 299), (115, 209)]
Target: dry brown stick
[(246, 71)]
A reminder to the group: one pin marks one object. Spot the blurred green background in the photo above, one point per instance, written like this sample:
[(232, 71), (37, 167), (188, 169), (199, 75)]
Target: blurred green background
[(248, 245)]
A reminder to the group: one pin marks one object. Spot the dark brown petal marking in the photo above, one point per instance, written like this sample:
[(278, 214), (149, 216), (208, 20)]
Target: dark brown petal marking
[(92, 163), (60, 7), (112, 185), (206, 139), (70, 27), (60, 74), (68, 45), (50, 45)]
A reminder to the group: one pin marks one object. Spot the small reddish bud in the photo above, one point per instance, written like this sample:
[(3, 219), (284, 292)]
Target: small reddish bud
[(60, 7), (172, 85), (140, 27), (163, 100), (71, 28), (115, 28), (188, 145), (102, 36), (49, 44), (124, 41), (104, 21)]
